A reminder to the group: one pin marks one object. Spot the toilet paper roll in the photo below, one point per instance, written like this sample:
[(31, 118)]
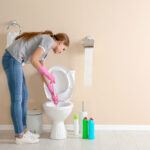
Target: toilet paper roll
[(88, 67), (10, 37)]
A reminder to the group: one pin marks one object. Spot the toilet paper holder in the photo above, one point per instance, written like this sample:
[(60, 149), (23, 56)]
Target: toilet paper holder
[(88, 42), (14, 23)]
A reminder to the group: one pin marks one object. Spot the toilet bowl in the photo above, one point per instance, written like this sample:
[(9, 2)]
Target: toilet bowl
[(64, 83)]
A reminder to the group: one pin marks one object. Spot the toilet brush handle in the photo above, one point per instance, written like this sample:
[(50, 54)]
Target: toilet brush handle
[(53, 94), (55, 99)]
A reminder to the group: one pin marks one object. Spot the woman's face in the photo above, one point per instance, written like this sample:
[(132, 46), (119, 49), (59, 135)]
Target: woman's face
[(60, 47)]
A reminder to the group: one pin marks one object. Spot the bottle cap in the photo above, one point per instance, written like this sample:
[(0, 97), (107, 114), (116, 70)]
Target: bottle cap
[(76, 117), (85, 117), (91, 118)]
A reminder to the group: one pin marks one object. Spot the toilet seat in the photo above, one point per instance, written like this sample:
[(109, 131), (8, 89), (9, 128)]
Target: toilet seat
[(63, 83)]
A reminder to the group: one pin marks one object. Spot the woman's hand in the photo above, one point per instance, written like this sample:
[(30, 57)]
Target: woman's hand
[(45, 79), (49, 86), (45, 72)]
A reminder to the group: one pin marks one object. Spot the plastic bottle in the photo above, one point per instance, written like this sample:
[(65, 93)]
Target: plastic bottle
[(85, 128), (76, 125), (91, 129)]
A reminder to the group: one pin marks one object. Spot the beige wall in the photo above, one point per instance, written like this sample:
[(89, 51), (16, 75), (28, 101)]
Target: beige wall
[(121, 62)]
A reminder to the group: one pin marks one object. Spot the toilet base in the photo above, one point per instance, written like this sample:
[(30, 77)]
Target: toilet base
[(58, 131)]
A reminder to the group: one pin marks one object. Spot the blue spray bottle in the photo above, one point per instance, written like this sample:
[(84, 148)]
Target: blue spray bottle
[(91, 129)]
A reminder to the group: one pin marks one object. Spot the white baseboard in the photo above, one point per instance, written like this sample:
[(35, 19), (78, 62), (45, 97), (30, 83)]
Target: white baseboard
[(97, 127)]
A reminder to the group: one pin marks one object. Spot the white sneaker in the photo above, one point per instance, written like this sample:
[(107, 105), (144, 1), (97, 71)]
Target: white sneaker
[(28, 133), (27, 140)]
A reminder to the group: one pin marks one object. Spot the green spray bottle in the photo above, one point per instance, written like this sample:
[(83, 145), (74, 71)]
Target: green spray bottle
[(85, 128)]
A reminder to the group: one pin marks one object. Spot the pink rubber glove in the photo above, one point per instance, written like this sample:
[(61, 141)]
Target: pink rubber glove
[(45, 72), (50, 87)]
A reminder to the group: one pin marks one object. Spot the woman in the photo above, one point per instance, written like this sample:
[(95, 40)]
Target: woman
[(29, 48)]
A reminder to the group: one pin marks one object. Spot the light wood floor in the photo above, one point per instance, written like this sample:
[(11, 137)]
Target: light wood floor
[(105, 140)]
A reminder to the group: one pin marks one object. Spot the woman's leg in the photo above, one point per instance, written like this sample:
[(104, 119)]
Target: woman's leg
[(14, 73), (16, 108), (25, 96)]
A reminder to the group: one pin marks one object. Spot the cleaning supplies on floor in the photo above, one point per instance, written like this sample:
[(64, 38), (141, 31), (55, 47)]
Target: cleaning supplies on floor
[(82, 115), (88, 131), (91, 135), (85, 128), (76, 125)]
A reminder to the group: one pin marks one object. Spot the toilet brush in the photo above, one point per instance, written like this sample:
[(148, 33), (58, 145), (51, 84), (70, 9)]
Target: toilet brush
[(82, 115), (52, 90), (55, 94)]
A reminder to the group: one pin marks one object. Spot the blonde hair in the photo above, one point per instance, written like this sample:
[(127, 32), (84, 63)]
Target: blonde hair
[(59, 36)]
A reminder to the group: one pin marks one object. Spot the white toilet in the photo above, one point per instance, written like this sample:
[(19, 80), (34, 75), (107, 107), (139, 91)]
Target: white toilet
[(64, 83)]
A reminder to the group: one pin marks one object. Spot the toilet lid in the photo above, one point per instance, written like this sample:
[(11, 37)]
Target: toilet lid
[(63, 83)]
